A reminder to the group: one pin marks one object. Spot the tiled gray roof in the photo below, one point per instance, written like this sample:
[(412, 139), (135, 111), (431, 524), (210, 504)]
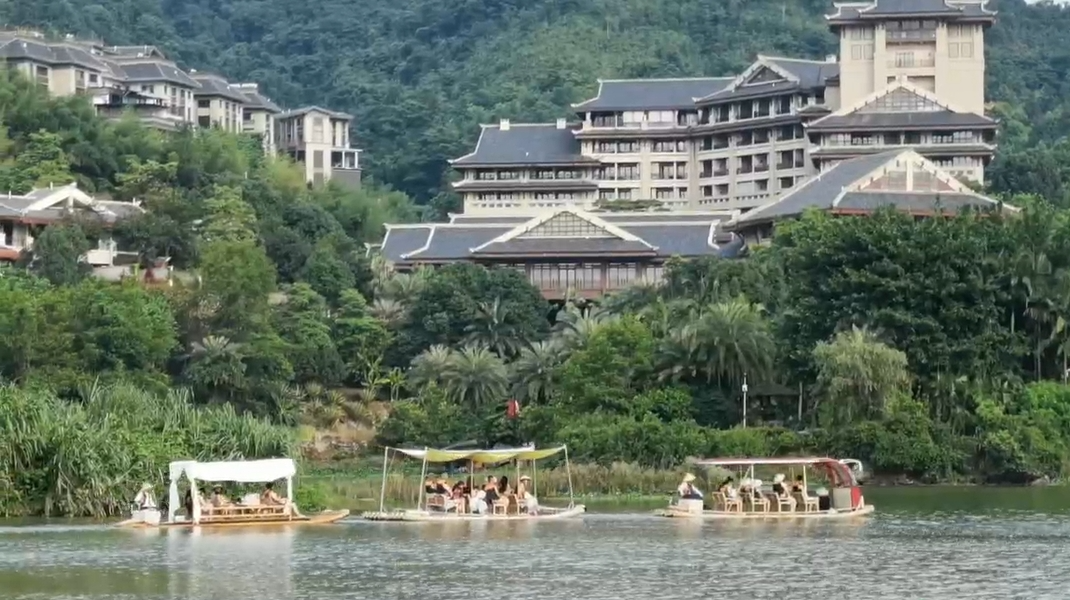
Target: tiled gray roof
[(18, 48), (402, 240), (625, 219), (71, 55), (652, 94), (136, 51), (751, 91), (810, 73), (672, 240), (214, 85), (947, 202), (456, 243), (257, 100), (146, 70), (307, 109), (524, 144), (819, 191), (902, 120), (574, 246), (897, 8)]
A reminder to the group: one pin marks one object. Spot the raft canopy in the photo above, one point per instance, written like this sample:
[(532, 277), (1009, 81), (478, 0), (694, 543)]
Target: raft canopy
[(240, 471), (497, 455)]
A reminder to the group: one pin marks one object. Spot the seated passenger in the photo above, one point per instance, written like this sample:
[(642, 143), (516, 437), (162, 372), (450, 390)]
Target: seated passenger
[(269, 498), (526, 498), (503, 487), (441, 487), (219, 499), (429, 486), (490, 490), (728, 490), (479, 503), (799, 487), (687, 489), (782, 492)]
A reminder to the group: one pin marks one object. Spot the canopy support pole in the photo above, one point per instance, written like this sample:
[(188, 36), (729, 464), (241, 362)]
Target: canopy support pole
[(382, 489), (423, 477), (568, 469), (535, 479)]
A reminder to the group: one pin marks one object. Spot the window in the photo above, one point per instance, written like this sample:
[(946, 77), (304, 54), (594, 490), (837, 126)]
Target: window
[(317, 129), (856, 52), (786, 182), (665, 146), (953, 50), (867, 52), (904, 59), (721, 189), (204, 104), (665, 193), (966, 50), (763, 185)]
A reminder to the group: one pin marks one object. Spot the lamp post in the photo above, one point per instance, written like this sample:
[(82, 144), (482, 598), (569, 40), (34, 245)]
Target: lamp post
[(744, 388)]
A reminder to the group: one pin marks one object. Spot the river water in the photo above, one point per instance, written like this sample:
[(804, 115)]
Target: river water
[(926, 543)]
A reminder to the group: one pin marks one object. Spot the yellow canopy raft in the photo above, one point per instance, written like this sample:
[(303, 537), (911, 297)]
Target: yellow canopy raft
[(473, 505)]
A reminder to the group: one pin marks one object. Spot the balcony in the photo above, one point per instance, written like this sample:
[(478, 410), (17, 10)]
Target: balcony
[(911, 62), (910, 35), (761, 168)]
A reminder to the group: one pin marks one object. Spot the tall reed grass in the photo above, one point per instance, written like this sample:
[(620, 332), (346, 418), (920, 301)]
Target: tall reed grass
[(87, 457)]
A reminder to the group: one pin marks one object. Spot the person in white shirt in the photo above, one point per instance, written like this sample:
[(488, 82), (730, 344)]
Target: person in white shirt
[(144, 500)]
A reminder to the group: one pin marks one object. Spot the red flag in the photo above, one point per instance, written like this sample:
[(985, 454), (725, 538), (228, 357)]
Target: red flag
[(512, 409)]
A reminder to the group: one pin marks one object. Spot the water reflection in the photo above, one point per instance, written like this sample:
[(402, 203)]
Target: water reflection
[(936, 552)]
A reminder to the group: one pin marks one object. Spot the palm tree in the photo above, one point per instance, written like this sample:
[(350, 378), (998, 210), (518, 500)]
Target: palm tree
[(216, 366), (722, 342), (476, 377), (429, 366), (491, 328), (390, 312), (404, 287), (575, 325), (859, 375), (533, 371)]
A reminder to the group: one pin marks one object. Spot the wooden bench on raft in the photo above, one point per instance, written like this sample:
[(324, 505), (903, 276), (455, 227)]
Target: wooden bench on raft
[(240, 512)]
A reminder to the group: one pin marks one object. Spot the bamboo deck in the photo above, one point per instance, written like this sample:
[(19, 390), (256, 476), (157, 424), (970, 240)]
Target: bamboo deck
[(323, 518), (766, 516), (545, 514)]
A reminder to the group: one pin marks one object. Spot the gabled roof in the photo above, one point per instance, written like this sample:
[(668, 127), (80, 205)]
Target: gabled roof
[(215, 86), (254, 99), (900, 105), (559, 233), (304, 110), (890, 9), (50, 204), (900, 178), (20, 48), (147, 70), (652, 94), (772, 74), (524, 144)]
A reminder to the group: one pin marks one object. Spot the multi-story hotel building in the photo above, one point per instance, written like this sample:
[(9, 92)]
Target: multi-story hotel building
[(908, 75), (141, 80)]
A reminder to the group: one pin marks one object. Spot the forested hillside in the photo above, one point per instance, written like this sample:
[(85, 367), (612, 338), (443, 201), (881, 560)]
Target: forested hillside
[(420, 75)]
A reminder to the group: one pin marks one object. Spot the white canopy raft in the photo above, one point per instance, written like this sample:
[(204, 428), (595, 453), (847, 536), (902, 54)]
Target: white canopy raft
[(465, 501), (786, 497), (250, 511)]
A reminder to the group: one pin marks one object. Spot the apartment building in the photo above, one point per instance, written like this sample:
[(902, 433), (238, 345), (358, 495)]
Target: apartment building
[(258, 115), (320, 140), (219, 104), (910, 75)]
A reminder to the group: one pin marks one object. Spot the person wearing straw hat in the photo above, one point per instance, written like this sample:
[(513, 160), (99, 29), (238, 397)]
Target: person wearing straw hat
[(525, 498), (687, 489)]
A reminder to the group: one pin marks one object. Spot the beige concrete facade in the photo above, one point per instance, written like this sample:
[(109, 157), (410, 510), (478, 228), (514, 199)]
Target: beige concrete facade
[(320, 140), (735, 143)]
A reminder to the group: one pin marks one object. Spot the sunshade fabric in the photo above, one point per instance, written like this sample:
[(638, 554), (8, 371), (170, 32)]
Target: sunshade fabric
[(482, 456), (249, 471)]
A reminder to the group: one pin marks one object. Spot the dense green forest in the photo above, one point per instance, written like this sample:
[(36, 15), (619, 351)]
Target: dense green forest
[(420, 75)]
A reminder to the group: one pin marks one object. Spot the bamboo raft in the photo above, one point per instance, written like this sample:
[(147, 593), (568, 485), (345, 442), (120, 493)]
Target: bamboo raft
[(274, 520), (771, 515), (412, 515)]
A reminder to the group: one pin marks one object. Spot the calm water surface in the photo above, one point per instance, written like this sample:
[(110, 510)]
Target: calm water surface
[(923, 543)]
